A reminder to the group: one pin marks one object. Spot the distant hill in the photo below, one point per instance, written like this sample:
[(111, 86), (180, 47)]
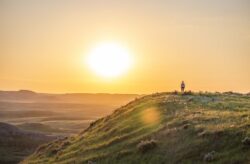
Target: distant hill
[(38, 127), (57, 113), (15, 144), (161, 128), (86, 98)]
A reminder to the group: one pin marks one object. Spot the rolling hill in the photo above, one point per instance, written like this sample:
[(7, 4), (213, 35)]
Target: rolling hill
[(86, 98), (38, 127), (161, 128), (57, 114), (15, 144)]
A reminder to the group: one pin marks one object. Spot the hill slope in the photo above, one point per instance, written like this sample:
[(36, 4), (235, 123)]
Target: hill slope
[(15, 144), (161, 128)]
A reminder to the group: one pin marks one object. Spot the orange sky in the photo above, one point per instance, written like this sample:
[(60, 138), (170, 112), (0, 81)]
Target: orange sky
[(43, 44)]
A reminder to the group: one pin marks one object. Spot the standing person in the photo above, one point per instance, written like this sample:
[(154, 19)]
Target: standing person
[(182, 86)]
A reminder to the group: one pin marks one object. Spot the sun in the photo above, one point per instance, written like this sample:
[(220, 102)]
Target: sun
[(109, 60)]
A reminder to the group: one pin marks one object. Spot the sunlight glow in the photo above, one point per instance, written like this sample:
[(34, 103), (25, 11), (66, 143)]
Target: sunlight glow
[(151, 116), (109, 60)]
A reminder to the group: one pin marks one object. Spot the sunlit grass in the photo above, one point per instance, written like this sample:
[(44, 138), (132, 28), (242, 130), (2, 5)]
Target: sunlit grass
[(185, 127)]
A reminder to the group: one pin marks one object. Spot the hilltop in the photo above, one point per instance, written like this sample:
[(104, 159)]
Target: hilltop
[(161, 128)]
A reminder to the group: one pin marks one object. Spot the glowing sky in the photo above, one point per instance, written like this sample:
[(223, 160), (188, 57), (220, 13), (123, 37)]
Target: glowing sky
[(206, 43)]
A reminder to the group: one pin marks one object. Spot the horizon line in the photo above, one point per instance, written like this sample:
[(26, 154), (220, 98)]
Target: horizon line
[(115, 93)]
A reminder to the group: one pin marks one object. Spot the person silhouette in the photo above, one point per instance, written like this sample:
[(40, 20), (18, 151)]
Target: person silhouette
[(182, 86)]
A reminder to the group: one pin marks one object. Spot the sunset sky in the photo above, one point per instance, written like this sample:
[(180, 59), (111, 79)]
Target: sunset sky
[(44, 44)]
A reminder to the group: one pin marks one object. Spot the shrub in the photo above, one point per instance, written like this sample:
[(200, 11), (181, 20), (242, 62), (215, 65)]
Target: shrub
[(209, 157), (53, 152), (246, 141), (186, 126), (146, 145), (188, 93), (65, 144), (175, 92)]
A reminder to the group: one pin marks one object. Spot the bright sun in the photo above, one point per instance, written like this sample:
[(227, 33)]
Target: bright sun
[(109, 60)]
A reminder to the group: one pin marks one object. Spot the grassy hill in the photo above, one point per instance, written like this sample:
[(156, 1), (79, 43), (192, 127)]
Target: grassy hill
[(161, 128), (15, 144)]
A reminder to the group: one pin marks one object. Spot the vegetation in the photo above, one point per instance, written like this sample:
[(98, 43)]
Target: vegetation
[(147, 145), (166, 127), (15, 144)]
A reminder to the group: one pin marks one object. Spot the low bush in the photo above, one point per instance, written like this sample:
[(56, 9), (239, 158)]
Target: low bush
[(209, 157), (188, 93), (146, 145), (246, 141), (175, 92)]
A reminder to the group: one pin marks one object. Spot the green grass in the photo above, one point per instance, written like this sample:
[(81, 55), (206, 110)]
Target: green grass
[(186, 127)]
